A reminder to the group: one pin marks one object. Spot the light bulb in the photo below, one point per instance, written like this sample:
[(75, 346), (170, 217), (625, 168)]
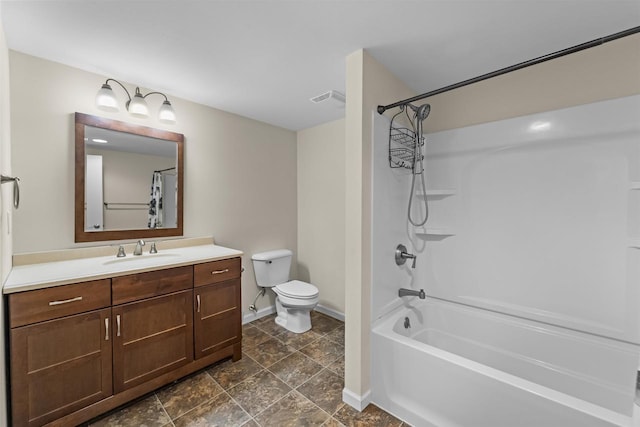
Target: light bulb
[(138, 106), (167, 114), (106, 100)]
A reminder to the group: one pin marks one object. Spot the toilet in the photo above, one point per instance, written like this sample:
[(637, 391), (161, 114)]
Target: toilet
[(294, 299)]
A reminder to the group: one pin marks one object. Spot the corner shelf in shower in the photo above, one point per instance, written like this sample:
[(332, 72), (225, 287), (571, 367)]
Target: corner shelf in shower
[(445, 192), (434, 231), (634, 244)]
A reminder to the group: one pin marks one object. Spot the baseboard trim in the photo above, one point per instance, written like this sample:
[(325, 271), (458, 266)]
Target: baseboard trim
[(330, 312), (251, 316), (355, 401)]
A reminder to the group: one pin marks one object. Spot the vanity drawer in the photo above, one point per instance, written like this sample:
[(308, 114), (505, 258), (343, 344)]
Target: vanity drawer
[(45, 304), (216, 271), (146, 285)]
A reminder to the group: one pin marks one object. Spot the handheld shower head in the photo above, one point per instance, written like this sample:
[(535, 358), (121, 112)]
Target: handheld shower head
[(421, 112)]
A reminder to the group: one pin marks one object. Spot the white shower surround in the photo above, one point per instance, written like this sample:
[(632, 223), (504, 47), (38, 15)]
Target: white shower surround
[(534, 223)]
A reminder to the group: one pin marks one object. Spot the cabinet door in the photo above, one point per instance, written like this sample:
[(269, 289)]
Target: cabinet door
[(151, 337), (218, 321), (60, 366)]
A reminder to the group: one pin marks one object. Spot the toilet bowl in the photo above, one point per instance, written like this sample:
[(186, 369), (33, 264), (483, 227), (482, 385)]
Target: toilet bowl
[(294, 298)]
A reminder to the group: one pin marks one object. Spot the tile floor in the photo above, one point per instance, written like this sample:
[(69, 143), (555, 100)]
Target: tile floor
[(283, 379)]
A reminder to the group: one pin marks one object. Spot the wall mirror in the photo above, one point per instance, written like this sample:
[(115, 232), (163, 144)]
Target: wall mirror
[(129, 180)]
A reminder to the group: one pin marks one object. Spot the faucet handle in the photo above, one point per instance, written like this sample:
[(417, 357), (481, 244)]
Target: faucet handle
[(153, 249), (121, 252)]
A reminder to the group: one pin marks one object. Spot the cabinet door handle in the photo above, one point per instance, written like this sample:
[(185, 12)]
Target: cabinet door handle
[(106, 329), (198, 303), (65, 301), (226, 270), (118, 325)]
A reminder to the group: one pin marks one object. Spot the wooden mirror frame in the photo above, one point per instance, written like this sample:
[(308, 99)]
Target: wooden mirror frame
[(81, 120)]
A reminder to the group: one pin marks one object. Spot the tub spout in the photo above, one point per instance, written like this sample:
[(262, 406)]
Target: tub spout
[(402, 292)]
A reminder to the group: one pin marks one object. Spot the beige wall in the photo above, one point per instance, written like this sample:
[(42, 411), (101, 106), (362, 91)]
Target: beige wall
[(608, 71), (321, 186), (368, 84), (605, 72), (240, 174), (5, 207)]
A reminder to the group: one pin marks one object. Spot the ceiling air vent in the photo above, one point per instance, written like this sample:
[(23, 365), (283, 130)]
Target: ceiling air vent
[(332, 97)]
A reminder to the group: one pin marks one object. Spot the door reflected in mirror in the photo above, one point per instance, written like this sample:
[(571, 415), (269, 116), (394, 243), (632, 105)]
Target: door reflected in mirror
[(129, 178)]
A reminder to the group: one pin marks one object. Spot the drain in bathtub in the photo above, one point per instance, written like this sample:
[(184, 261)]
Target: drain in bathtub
[(407, 323)]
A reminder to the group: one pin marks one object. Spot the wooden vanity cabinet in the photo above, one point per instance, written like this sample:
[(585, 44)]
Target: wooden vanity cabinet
[(218, 316), (59, 364), (80, 350), (151, 337)]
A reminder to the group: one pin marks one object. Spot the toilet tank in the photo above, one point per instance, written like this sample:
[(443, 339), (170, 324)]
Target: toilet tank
[(272, 268)]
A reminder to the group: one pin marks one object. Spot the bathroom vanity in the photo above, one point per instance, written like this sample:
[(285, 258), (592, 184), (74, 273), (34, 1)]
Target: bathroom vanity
[(87, 335)]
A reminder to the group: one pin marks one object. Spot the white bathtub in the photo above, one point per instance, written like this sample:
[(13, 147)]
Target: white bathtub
[(463, 366)]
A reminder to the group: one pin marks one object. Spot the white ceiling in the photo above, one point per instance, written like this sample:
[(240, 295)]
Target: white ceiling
[(264, 59)]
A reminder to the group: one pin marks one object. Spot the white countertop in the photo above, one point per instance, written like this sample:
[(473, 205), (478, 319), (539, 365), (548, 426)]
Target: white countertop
[(49, 274)]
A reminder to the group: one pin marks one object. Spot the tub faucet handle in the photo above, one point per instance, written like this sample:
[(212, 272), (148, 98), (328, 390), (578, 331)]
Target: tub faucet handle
[(153, 249), (402, 255)]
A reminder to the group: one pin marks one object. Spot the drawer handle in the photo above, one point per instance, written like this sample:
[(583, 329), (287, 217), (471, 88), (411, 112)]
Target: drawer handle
[(65, 301), (118, 325), (106, 328), (198, 303), (226, 270)]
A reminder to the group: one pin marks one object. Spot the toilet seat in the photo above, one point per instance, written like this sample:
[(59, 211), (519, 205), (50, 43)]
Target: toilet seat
[(297, 289)]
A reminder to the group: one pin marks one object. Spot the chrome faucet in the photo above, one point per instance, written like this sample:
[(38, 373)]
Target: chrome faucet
[(402, 292), (402, 255), (138, 249)]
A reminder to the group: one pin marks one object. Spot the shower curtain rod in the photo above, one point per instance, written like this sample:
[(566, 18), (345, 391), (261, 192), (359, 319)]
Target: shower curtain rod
[(164, 170), (538, 60)]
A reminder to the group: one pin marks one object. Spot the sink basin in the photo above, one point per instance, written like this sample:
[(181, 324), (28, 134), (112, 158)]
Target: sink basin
[(141, 258)]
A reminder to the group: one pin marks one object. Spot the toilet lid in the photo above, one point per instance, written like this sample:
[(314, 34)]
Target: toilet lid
[(297, 289)]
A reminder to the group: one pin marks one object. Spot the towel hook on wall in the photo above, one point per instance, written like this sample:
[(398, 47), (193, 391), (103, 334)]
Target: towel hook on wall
[(16, 188)]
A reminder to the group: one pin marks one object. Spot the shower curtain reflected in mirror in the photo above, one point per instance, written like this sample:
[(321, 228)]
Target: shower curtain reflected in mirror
[(155, 204)]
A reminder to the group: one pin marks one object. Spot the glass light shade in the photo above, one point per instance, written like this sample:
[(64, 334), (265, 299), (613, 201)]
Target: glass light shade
[(106, 100), (138, 106), (167, 114)]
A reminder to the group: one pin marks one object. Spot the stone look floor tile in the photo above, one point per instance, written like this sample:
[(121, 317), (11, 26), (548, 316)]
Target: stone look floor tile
[(269, 352), (337, 367), (323, 351), (371, 416), (147, 412), (229, 373), (332, 422), (185, 395), (295, 369), (250, 423), (271, 327), (258, 392), (291, 411), (322, 324), (325, 390), (297, 341), (220, 411), (252, 337), (337, 335)]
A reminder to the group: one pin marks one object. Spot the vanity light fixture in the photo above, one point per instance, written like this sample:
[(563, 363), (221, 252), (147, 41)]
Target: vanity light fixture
[(136, 106)]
